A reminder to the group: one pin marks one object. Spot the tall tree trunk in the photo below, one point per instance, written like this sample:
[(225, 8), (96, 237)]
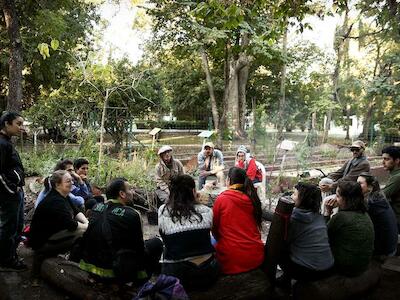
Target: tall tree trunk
[(348, 122), (368, 119), (14, 99), (213, 99), (340, 38), (371, 104), (103, 121), (282, 100), (242, 85)]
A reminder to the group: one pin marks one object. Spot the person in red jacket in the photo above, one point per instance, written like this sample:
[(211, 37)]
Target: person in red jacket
[(248, 163), (236, 225)]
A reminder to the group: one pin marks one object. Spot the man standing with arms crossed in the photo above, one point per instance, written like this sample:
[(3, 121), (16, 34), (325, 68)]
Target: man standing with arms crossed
[(11, 193)]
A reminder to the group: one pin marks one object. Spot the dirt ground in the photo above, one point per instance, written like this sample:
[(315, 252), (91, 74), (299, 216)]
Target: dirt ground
[(18, 285)]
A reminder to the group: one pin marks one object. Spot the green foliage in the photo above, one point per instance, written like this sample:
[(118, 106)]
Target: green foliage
[(139, 171), (58, 23), (303, 155)]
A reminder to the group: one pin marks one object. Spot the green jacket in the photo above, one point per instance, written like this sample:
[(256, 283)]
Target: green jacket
[(392, 192), (351, 236)]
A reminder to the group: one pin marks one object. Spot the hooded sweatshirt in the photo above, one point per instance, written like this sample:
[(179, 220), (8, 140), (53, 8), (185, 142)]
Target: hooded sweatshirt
[(249, 164), (308, 240), (385, 224), (239, 247)]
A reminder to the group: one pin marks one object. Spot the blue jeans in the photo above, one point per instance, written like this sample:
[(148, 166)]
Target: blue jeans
[(11, 225)]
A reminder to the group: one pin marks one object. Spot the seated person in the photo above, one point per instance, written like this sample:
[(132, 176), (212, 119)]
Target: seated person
[(350, 231), (210, 162), (237, 224), (113, 247), (166, 168), (56, 223), (353, 167), (81, 185), (382, 216), (309, 254), (327, 192), (391, 163), (185, 229), (248, 163), (66, 165)]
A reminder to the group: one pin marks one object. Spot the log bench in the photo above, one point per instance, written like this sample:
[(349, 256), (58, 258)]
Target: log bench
[(339, 287), (69, 277)]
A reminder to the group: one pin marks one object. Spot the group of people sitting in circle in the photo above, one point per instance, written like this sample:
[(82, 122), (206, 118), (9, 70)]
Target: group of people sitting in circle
[(197, 243)]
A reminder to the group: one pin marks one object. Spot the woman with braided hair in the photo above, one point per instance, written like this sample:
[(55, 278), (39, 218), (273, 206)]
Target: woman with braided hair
[(236, 225)]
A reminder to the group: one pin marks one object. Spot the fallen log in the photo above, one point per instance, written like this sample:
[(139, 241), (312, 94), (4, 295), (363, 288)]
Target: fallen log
[(79, 284), (339, 287)]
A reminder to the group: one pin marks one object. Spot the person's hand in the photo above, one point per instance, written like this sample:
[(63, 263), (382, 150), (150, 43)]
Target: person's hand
[(330, 204), (74, 175), (204, 173), (81, 218), (83, 177)]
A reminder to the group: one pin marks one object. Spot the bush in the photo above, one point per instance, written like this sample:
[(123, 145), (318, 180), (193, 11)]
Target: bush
[(139, 171)]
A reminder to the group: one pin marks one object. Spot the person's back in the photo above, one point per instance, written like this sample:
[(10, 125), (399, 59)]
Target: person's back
[(235, 227), (308, 240), (351, 236), (185, 229), (126, 233), (385, 224), (113, 245)]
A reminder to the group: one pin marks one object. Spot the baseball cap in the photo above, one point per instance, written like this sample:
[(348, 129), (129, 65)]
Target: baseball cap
[(358, 144), (209, 144)]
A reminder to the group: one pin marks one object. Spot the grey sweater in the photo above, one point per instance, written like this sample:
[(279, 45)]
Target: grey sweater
[(308, 240)]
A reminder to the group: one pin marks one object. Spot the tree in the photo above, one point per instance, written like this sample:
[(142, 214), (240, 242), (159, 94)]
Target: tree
[(15, 56), (227, 35), (68, 21)]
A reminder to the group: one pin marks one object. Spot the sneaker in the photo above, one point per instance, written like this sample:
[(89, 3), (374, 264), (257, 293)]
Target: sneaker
[(13, 266)]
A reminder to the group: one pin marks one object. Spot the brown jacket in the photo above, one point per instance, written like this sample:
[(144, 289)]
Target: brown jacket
[(164, 174), (353, 171)]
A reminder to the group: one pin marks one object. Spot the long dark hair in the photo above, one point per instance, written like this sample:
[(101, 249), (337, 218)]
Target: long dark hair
[(371, 181), (182, 200), (352, 194), (309, 196), (239, 176)]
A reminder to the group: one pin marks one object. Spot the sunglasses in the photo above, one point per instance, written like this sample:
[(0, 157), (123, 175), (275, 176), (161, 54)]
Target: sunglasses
[(355, 149)]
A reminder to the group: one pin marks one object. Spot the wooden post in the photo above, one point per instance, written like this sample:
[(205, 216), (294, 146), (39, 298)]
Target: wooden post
[(103, 120), (277, 236)]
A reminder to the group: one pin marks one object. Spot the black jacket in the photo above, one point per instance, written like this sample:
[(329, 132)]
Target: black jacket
[(385, 224), (55, 213), (12, 173), (126, 233)]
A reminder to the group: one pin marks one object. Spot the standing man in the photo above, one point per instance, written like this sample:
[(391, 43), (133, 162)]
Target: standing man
[(391, 163), (11, 193), (166, 168), (210, 162), (353, 167)]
